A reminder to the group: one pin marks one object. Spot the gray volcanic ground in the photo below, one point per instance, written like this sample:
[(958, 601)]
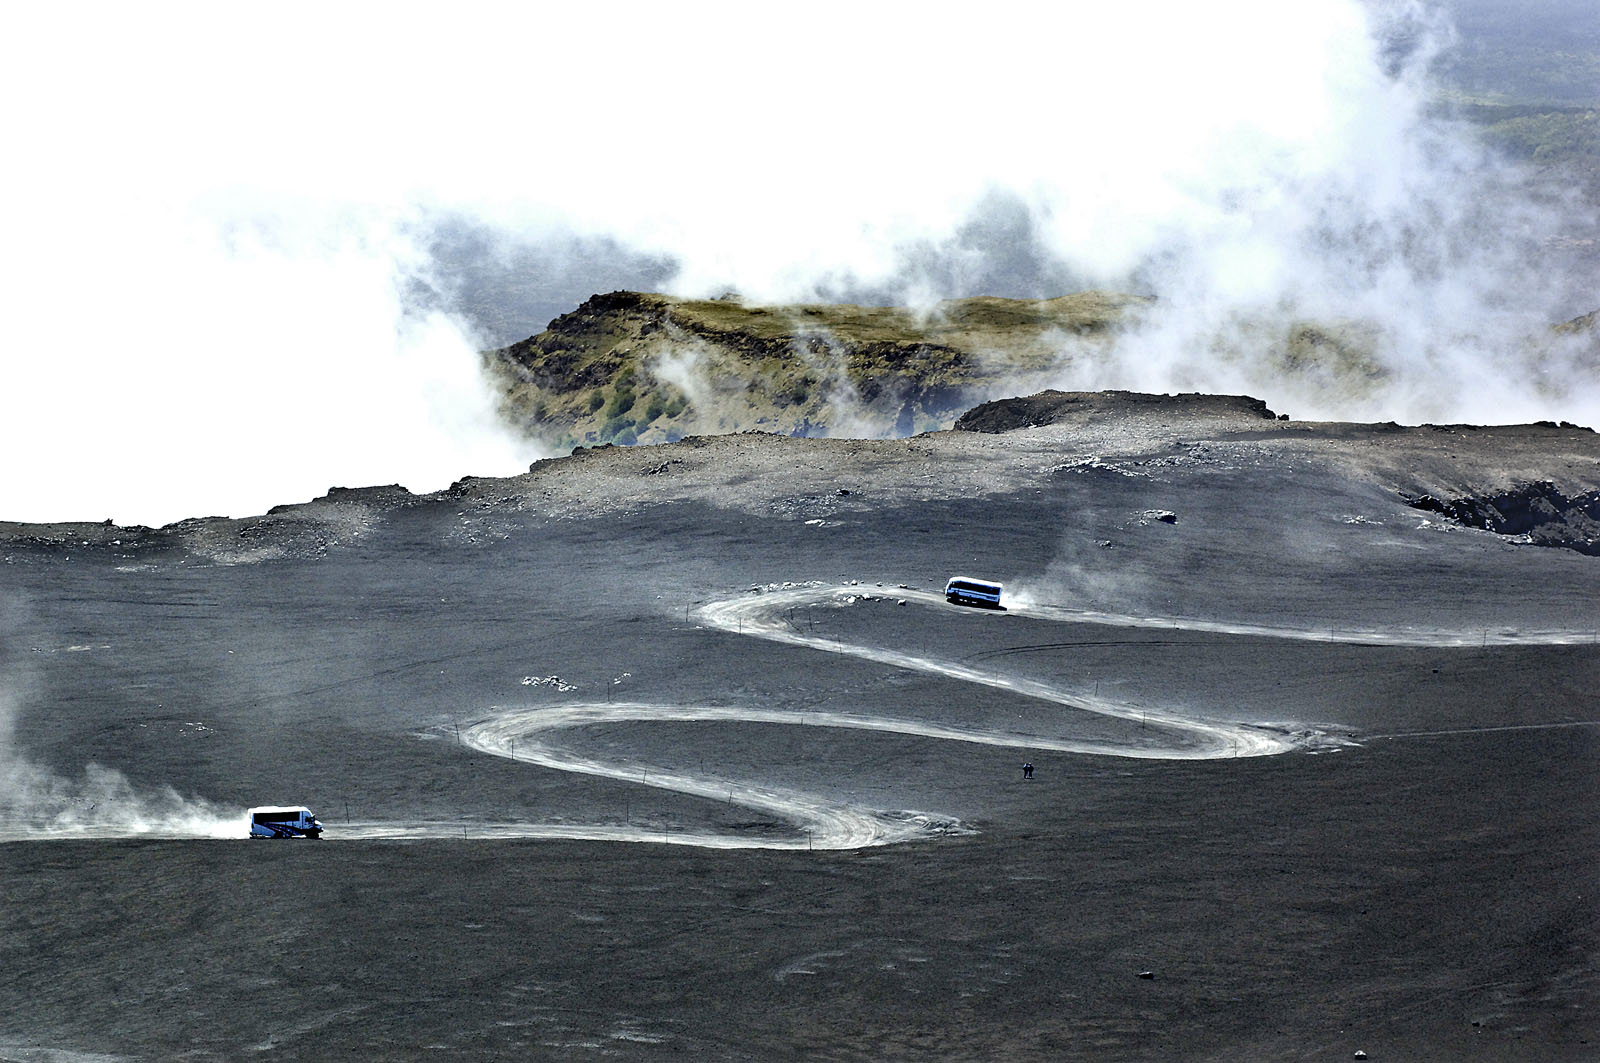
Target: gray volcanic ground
[(677, 750)]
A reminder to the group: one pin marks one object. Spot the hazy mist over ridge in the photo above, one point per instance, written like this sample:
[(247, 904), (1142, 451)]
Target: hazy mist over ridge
[(240, 251)]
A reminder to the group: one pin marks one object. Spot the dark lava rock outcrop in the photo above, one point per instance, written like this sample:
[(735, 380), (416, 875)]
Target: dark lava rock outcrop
[(1540, 513)]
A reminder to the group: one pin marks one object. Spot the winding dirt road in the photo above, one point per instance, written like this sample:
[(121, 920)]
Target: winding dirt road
[(528, 734), (1360, 636), (521, 734)]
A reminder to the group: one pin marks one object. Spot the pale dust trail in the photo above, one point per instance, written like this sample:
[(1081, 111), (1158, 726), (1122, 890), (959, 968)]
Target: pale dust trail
[(820, 824), (1359, 636), (111, 829), (1559, 725), (1190, 737), (515, 733)]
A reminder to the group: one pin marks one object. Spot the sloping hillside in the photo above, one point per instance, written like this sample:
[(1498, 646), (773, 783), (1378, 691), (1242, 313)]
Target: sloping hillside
[(630, 367)]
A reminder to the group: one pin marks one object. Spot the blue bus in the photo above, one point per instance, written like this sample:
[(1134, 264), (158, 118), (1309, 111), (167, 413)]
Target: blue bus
[(964, 590), (283, 821)]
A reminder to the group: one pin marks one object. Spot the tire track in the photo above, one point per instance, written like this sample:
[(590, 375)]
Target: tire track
[(517, 734), (521, 734), (1359, 636), (1166, 733), (1188, 737)]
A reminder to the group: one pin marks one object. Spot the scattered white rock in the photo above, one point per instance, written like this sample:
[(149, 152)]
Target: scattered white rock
[(554, 682)]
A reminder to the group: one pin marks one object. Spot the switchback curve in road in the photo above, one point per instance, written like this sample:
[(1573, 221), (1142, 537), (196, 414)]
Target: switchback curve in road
[(522, 732)]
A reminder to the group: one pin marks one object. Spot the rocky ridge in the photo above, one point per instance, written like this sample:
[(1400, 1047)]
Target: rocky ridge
[(1530, 484), (1538, 513), (630, 367)]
